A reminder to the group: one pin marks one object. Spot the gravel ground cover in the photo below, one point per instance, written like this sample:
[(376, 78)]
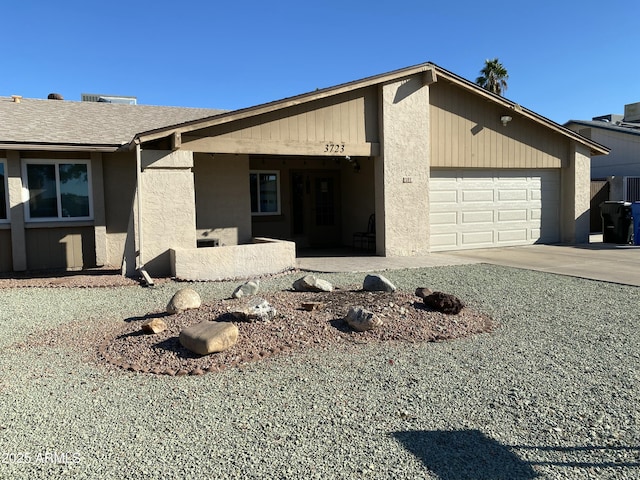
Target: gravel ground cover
[(553, 392)]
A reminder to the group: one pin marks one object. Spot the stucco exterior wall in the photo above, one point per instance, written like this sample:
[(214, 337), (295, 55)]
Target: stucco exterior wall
[(576, 196), (167, 207), (402, 171), (239, 261), (223, 203)]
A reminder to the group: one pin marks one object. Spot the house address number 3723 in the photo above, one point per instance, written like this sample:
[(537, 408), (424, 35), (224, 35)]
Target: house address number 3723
[(334, 147)]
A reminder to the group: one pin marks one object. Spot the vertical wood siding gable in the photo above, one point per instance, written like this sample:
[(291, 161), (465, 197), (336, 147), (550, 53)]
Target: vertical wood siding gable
[(466, 131)]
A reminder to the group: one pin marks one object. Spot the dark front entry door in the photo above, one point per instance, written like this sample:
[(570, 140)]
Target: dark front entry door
[(316, 208)]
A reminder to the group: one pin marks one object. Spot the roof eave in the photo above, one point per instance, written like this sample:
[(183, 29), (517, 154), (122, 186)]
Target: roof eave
[(60, 147)]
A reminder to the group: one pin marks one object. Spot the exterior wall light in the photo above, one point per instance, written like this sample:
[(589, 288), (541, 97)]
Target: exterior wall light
[(505, 119)]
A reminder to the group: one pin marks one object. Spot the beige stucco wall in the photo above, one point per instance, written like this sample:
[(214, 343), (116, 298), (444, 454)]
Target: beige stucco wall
[(237, 261), (576, 195), (402, 171), (167, 208), (223, 203)]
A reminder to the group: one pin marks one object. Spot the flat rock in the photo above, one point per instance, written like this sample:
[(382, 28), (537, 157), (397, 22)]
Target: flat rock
[(209, 337), (311, 283), (362, 320), (247, 289), (377, 283), (155, 325), (184, 299)]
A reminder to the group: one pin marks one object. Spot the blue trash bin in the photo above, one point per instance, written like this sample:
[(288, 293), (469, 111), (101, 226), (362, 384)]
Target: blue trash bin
[(635, 214)]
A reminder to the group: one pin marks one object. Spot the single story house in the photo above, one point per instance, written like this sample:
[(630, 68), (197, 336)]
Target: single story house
[(441, 163)]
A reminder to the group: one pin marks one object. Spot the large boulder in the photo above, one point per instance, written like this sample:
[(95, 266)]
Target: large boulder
[(362, 320), (247, 289), (184, 299), (311, 283), (377, 283), (209, 337)]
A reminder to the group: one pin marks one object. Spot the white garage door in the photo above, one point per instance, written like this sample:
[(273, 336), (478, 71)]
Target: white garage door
[(493, 208)]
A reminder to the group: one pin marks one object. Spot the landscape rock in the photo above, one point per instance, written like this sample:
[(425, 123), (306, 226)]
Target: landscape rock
[(247, 289), (184, 299), (209, 337), (310, 283), (377, 283), (258, 310), (155, 325), (444, 302), (423, 292), (362, 320)]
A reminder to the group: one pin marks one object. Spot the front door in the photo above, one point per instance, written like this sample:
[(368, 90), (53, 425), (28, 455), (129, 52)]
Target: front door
[(316, 208)]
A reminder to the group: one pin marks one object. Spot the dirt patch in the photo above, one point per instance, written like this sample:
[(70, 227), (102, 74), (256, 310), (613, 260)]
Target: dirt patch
[(405, 318)]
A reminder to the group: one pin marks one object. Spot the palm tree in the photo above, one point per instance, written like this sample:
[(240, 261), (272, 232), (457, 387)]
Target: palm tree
[(493, 76)]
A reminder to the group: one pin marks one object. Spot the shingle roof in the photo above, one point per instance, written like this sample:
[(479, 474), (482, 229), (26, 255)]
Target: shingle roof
[(34, 121)]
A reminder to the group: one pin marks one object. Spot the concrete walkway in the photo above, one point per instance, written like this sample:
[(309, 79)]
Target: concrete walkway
[(596, 261)]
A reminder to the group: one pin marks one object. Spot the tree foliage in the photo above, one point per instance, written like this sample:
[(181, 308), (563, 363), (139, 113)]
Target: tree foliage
[(493, 77)]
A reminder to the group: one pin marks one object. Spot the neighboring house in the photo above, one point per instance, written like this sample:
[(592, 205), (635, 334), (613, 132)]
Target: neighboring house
[(621, 134), (442, 163)]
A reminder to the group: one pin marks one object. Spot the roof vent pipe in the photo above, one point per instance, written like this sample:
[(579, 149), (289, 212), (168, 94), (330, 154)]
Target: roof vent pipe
[(55, 96), (16, 98)]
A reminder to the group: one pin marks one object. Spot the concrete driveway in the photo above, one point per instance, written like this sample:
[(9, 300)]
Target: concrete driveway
[(597, 261)]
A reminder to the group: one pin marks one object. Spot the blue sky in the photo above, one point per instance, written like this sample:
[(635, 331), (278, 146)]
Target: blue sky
[(566, 60)]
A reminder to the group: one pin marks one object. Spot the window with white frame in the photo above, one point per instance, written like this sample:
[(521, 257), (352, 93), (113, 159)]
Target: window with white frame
[(58, 190), (4, 214), (265, 192)]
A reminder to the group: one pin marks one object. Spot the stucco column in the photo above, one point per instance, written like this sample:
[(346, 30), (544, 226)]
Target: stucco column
[(402, 170), (576, 195), (167, 207), (16, 212)]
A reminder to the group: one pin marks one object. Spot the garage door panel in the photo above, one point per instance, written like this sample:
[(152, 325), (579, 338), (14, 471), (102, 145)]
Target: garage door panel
[(483, 216), (509, 236), (442, 240), (512, 215), (512, 195), (485, 237), (485, 208), (445, 196), (477, 195), (444, 218)]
